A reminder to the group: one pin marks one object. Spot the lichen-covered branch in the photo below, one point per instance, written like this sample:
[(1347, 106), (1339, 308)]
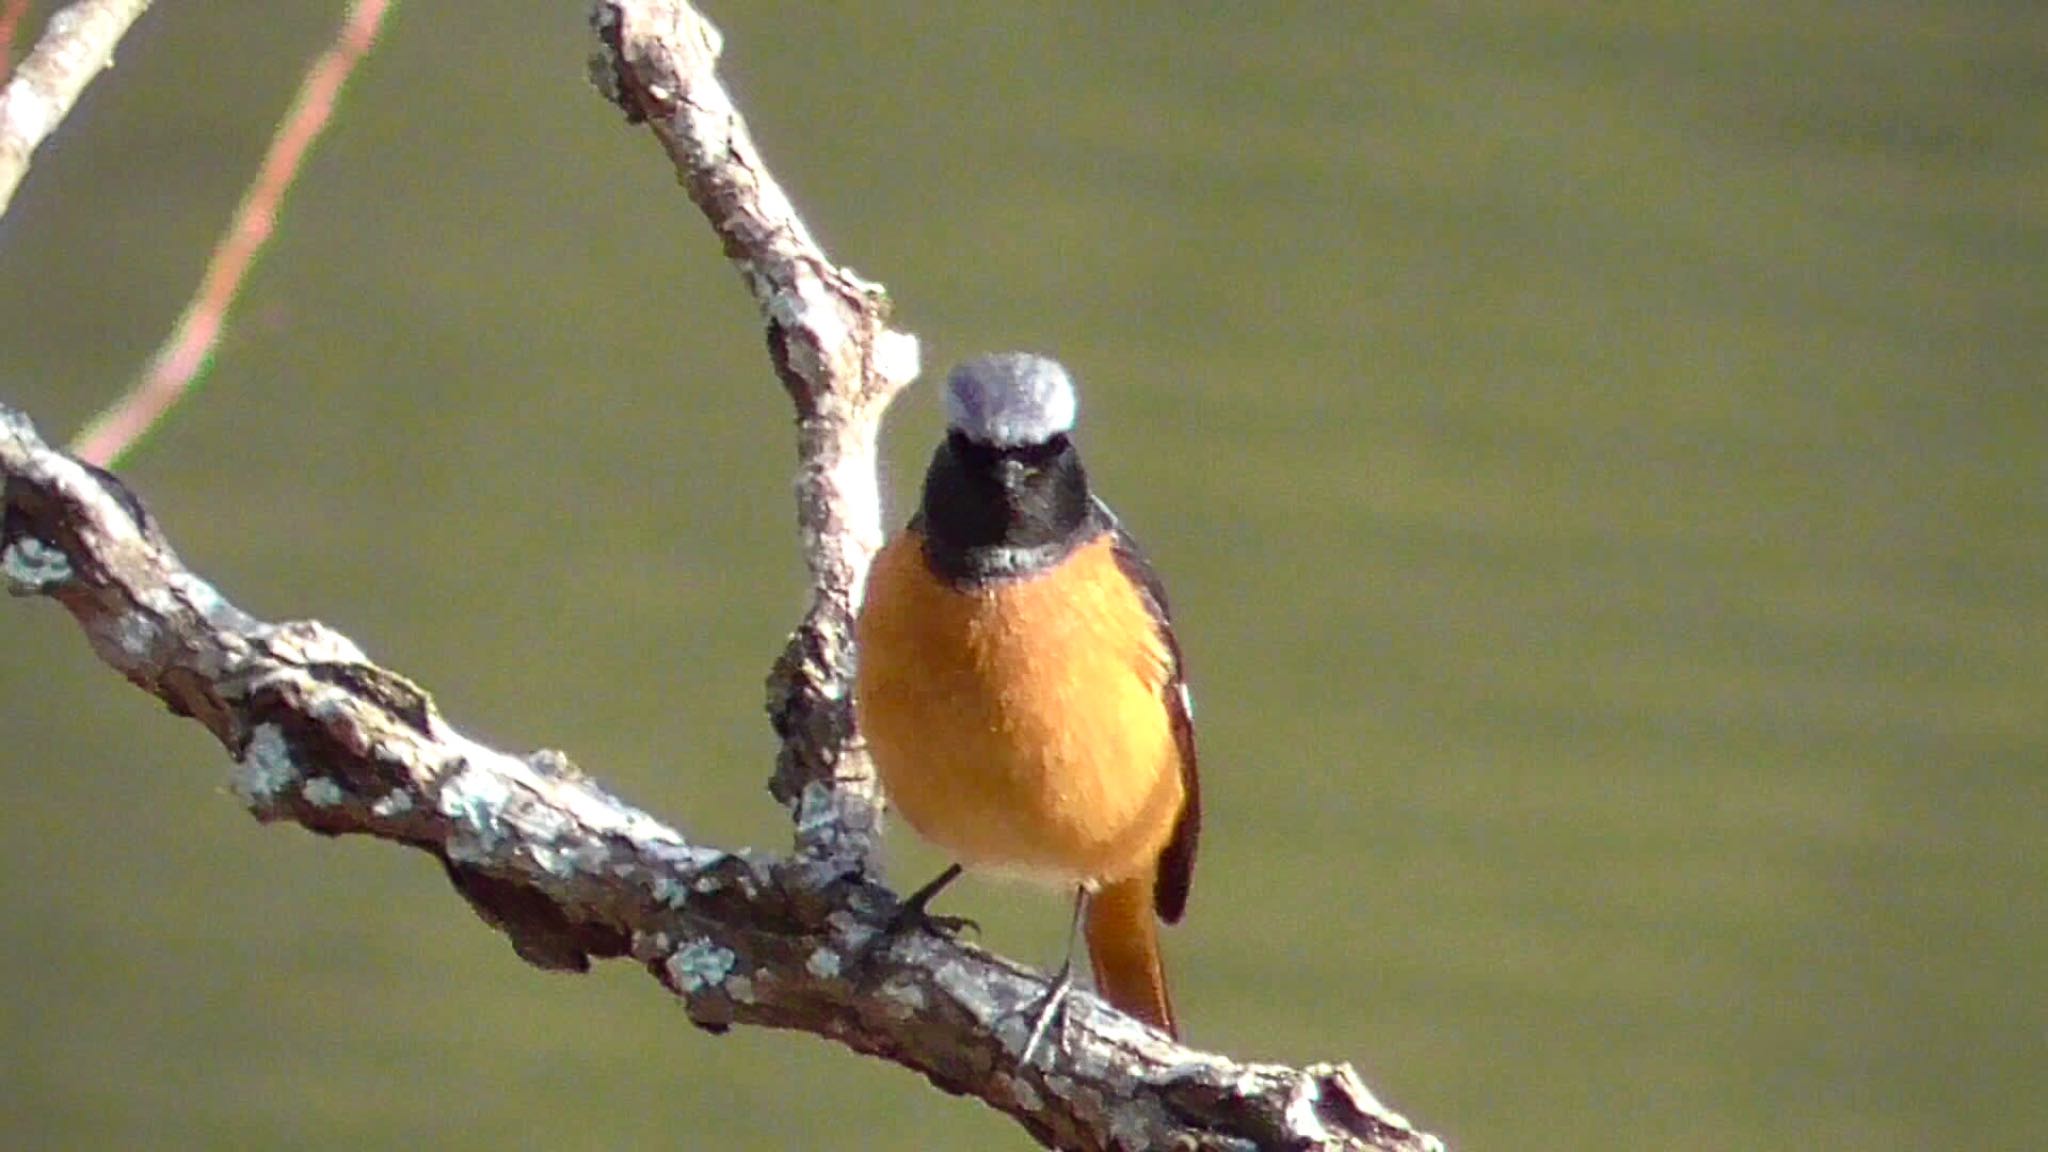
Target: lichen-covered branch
[(328, 739), (832, 347), (78, 43)]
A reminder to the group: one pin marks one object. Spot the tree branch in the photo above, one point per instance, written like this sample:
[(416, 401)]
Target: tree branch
[(841, 363), (337, 744), (78, 43), (328, 740)]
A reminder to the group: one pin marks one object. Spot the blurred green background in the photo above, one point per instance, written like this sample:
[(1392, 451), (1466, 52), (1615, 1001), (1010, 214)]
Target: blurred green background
[(1597, 452)]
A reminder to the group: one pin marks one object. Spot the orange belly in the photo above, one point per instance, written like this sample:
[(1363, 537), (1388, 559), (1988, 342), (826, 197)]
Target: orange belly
[(1021, 726)]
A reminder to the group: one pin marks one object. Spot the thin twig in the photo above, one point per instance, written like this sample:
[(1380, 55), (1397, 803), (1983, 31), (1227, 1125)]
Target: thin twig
[(178, 363), (76, 45), (10, 19)]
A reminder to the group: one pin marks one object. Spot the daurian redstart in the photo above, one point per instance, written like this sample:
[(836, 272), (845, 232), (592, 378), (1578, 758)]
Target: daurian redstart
[(1019, 684)]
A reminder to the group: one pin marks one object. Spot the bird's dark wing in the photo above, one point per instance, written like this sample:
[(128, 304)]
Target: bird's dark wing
[(1177, 862)]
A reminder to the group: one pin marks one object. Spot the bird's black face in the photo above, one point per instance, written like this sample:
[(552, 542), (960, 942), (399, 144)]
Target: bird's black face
[(993, 513)]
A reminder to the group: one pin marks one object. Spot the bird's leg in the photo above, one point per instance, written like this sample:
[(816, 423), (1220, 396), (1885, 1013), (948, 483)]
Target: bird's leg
[(912, 912), (910, 915), (1053, 1005)]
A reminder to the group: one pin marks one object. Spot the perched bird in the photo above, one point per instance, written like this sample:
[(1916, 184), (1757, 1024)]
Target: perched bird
[(1019, 684)]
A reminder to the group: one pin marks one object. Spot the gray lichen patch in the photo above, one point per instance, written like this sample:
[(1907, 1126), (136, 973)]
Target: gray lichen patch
[(850, 930), (700, 965), (965, 984), (904, 997), (823, 963), (1013, 1031), (321, 792), (30, 567), (137, 636), (574, 858), (392, 804), (476, 802), (815, 809), (669, 893), (268, 768)]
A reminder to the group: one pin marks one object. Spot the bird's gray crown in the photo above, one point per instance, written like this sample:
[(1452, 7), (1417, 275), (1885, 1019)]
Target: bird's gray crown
[(1010, 399)]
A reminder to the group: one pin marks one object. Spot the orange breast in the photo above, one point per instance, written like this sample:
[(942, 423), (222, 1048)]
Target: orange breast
[(1021, 726)]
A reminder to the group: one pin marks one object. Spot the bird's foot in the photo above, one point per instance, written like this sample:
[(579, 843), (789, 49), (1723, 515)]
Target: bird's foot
[(914, 912), (1048, 1011), (913, 915), (918, 920)]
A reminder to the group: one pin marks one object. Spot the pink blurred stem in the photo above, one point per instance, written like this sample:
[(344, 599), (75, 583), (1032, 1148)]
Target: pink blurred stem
[(178, 363), (10, 19)]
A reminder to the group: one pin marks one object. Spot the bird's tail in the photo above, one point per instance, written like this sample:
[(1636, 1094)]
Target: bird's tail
[(1123, 948)]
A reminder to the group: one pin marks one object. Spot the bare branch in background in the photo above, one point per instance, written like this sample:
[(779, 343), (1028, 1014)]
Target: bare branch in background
[(178, 362), (10, 18), (331, 741), (78, 43)]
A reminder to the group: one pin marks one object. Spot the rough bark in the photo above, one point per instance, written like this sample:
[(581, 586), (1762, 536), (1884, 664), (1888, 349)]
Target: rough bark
[(329, 740)]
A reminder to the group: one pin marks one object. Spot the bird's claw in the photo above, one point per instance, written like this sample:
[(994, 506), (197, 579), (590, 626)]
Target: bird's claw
[(912, 915), (1050, 1007), (909, 919)]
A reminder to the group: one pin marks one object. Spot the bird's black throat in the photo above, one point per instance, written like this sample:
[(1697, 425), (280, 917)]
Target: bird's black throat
[(1001, 513)]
